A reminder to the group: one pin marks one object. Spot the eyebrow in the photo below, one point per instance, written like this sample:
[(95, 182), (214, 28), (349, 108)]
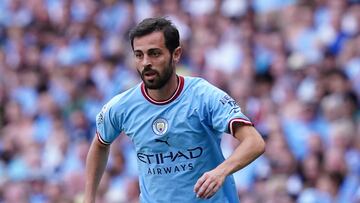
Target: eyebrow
[(149, 50), (154, 49)]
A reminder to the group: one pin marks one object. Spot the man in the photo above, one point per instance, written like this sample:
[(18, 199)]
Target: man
[(176, 124)]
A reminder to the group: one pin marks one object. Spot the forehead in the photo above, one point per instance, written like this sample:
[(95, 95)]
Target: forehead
[(150, 41)]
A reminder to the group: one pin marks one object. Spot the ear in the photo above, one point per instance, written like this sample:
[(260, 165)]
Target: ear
[(177, 54)]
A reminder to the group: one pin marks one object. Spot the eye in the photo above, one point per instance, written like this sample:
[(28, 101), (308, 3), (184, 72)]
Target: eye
[(138, 55), (154, 53)]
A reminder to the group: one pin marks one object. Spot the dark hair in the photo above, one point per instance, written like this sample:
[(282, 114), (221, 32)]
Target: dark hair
[(150, 25)]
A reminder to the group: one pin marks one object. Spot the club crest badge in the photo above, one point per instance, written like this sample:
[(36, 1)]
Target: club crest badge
[(160, 126)]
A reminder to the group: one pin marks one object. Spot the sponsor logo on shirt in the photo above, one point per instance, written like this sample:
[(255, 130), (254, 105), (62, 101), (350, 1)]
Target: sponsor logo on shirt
[(165, 141), (172, 156), (227, 100), (161, 161), (100, 117)]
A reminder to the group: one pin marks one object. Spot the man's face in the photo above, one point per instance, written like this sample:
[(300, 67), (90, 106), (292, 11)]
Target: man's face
[(153, 60)]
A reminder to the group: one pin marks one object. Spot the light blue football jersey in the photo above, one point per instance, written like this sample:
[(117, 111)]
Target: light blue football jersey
[(176, 140)]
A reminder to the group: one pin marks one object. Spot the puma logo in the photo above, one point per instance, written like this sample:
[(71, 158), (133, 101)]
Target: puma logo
[(164, 141)]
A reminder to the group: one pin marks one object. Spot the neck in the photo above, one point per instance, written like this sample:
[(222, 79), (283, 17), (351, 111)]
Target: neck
[(166, 91)]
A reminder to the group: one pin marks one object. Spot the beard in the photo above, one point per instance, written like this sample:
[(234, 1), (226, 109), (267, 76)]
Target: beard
[(160, 79)]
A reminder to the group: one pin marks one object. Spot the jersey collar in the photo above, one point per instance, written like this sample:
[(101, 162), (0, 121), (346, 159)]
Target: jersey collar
[(177, 92)]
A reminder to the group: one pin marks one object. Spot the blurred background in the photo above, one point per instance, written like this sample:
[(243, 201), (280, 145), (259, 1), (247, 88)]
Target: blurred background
[(292, 65)]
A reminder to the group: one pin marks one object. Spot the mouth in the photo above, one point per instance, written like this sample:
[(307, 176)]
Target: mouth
[(150, 75)]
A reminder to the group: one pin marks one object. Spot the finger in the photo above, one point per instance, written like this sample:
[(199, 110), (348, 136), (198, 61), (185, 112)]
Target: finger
[(210, 191), (198, 184), (203, 188), (215, 189)]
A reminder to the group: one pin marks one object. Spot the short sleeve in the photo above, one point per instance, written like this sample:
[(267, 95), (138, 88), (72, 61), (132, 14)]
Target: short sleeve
[(224, 111), (107, 124)]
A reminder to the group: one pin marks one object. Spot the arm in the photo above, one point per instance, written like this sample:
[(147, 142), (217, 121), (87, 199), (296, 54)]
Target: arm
[(95, 165), (251, 146)]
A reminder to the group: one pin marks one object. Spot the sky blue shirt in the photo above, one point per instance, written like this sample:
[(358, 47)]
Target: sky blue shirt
[(176, 140)]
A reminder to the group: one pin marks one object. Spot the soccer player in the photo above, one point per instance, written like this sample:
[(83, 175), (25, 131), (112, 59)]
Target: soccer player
[(176, 124)]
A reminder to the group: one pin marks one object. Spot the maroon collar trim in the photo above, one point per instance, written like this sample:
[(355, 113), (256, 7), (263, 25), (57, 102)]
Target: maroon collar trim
[(163, 102)]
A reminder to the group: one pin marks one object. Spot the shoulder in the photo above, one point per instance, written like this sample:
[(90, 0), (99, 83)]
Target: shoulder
[(203, 90), (196, 82), (121, 99), (199, 85)]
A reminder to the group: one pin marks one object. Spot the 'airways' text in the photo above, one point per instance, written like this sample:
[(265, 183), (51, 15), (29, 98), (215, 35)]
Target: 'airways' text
[(170, 169)]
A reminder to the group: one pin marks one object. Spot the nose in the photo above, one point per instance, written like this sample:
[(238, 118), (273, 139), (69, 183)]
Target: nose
[(146, 62)]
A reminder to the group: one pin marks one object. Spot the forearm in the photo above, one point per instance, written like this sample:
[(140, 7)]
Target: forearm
[(248, 150), (251, 146), (95, 165)]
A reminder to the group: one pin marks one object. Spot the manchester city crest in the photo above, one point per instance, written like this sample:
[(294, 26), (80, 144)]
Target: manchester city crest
[(160, 126)]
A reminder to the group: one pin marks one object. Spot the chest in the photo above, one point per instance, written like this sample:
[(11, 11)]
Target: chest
[(179, 126)]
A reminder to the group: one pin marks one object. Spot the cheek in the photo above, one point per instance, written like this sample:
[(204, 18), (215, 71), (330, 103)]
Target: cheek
[(159, 64), (137, 65), (166, 62)]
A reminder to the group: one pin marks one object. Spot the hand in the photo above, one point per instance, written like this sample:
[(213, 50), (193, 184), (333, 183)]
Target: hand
[(209, 183)]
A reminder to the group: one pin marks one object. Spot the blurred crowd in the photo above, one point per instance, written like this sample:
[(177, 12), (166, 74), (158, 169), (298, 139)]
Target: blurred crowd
[(292, 65)]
